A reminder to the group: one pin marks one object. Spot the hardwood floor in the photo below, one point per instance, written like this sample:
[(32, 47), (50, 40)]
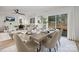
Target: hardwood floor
[(6, 43)]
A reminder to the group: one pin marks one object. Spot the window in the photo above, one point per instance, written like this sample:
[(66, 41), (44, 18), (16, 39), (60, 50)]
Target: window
[(32, 20)]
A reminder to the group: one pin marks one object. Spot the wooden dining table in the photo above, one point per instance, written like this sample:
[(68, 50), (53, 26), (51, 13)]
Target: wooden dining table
[(39, 37), (36, 37)]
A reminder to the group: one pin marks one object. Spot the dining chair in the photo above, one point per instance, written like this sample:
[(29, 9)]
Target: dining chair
[(22, 46), (51, 40), (60, 34)]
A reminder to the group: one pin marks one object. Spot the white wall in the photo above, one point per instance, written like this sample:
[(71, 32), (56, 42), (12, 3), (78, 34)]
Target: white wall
[(14, 23), (1, 21)]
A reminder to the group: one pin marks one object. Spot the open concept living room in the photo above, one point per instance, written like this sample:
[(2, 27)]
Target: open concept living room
[(39, 29)]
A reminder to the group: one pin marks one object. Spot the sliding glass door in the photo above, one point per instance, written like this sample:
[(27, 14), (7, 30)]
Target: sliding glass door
[(51, 22), (58, 22)]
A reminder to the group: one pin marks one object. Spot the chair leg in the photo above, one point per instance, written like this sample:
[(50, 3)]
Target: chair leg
[(59, 43), (55, 49), (57, 46), (49, 49), (39, 49)]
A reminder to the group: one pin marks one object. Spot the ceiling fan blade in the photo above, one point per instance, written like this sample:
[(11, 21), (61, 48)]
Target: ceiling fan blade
[(21, 13), (17, 12)]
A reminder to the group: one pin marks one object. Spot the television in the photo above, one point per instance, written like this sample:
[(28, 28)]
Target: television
[(10, 18)]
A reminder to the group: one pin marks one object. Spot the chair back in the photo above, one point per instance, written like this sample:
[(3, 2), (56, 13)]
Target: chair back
[(20, 45), (60, 34), (24, 46), (51, 42)]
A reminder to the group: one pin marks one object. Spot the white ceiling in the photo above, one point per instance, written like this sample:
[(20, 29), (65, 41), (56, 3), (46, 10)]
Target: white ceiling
[(29, 10)]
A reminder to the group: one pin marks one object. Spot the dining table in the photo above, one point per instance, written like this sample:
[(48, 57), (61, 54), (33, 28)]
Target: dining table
[(34, 36), (39, 37)]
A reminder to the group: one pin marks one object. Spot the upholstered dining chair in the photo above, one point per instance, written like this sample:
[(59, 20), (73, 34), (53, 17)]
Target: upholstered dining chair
[(60, 34), (51, 40), (29, 46)]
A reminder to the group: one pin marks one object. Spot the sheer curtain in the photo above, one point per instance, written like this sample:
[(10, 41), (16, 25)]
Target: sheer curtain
[(73, 24)]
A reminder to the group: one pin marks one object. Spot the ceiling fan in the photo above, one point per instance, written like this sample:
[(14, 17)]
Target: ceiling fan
[(17, 11)]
